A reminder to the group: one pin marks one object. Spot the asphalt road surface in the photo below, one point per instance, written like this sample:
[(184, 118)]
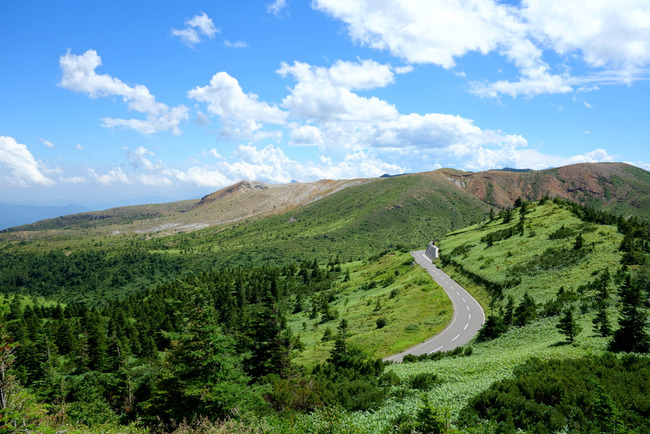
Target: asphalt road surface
[(465, 324)]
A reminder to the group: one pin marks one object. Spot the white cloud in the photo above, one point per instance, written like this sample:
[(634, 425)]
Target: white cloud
[(78, 147), (306, 135), (204, 177), (47, 143), (603, 32), (224, 97), (438, 131), (612, 36), (199, 25), (22, 169), (167, 122), (213, 152), (201, 119), (73, 180), (79, 75), (276, 7), (421, 31), (236, 44), (325, 94), (111, 177)]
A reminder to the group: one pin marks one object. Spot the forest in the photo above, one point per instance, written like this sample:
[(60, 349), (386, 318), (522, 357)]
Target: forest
[(138, 341)]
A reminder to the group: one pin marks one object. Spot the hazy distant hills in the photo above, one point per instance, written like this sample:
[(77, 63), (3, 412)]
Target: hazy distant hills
[(13, 215), (455, 198)]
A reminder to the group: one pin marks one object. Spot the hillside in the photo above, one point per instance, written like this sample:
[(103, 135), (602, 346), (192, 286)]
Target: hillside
[(544, 263), (315, 297), (538, 259), (617, 187)]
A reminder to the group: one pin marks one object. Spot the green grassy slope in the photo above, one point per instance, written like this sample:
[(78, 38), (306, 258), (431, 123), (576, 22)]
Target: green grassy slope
[(390, 287), (534, 261), (518, 258), (354, 223)]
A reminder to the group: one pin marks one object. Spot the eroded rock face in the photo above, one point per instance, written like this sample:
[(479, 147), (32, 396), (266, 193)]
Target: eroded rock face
[(227, 191), (605, 182)]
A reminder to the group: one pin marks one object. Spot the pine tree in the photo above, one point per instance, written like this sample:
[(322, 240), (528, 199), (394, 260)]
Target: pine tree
[(526, 311), (509, 311), (568, 325), (579, 242), (631, 335), (270, 342), (339, 355), (203, 374), (601, 322), (493, 328)]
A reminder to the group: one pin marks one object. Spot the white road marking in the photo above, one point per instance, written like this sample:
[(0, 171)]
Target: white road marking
[(457, 292), (466, 325), (464, 301), (439, 348), (467, 306), (457, 336), (470, 316)]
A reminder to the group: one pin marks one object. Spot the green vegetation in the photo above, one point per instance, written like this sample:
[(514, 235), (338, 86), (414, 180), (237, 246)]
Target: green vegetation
[(387, 288), (590, 394), (275, 325)]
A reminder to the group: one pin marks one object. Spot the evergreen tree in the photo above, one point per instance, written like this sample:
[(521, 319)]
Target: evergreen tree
[(568, 325), (509, 311), (631, 335), (526, 311), (601, 322), (339, 354), (579, 242), (203, 374), (493, 328), (507, 215), (270, 342)]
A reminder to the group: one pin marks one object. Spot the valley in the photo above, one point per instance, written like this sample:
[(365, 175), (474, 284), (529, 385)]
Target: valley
[(297, 291)]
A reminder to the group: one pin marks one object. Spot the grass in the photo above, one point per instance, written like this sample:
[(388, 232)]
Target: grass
[(415, 308), (465, 377), (520, 257)]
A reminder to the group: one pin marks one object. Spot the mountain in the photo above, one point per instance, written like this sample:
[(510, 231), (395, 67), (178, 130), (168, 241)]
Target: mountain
[(223, 278), (617, 187), (380, 212)]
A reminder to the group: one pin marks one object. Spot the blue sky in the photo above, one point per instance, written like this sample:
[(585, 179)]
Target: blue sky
[(124, 101)]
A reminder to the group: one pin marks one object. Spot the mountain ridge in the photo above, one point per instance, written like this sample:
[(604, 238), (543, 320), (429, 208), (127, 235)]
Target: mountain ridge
[(618, 187)]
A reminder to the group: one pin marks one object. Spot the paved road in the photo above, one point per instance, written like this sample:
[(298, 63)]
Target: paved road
[(466, 322)]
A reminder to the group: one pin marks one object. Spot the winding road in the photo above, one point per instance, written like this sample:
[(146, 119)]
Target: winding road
[(465, 324)]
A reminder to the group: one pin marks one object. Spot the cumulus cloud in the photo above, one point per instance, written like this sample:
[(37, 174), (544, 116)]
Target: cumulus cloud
[(195, 28), (604, 33), (79, 75), (329, 115), (21, 167), (225, 98), (306, 135), (608, 36), (111, 177), (323, 94)]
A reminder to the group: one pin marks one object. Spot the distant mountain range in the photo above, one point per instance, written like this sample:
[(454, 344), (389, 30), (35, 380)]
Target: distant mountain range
[(14, 215)]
